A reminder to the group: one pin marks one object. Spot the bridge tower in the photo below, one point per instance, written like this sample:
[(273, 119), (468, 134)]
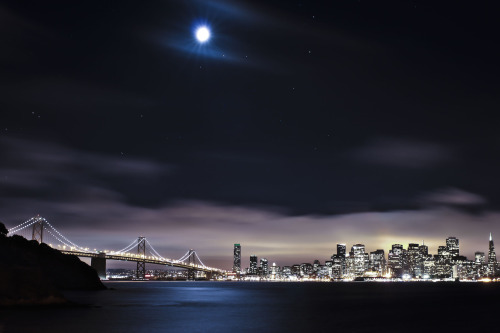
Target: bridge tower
[(191, 260), (99, 264), (141, 251), (38, 230)]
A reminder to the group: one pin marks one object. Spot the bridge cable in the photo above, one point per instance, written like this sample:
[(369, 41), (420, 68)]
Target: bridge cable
[(184, 257), (128, 247), (152, 248), (64, 243), (62, 236), (20, 227), (201, 262)]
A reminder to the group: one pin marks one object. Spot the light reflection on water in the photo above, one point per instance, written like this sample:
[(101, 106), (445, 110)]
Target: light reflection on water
[(263, 307)]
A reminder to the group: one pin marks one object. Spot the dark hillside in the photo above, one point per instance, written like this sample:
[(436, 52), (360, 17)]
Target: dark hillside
[(34, 273)]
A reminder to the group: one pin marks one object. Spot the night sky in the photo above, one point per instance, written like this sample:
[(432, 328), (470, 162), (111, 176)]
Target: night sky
[(298, 125)]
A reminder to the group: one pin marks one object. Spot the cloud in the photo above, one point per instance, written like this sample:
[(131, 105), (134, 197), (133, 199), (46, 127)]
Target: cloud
[(403, 153), (53, 171), (453, 197)]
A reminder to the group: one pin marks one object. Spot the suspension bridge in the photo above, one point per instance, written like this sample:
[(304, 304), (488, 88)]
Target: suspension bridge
[(140, 250)]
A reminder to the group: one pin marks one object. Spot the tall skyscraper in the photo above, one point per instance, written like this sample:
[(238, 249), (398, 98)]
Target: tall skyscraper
[(377, 262), (423, 249), (452, 245), (237, 259), (492, 257), (265, 266), (394, 261), (253, 265), (341, 250), (413, 260), (358, 251)]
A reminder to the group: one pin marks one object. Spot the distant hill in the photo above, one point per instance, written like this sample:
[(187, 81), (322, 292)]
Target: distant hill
[(33, 273)]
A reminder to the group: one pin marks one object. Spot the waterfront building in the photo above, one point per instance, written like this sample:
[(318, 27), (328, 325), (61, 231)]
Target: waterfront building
[(339, 262), (466, 270), (377, 262), (429, 267), (306, 270), (253, 265), (264, 267), (413, 261), (360, 262), (350, 268), (395, 267), (275, 271), (328, 268), (237, 259), (338, 266)]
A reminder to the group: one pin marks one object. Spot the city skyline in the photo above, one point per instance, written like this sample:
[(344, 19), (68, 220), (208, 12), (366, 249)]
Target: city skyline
[(284, 126), (414, 262), (430, 249)]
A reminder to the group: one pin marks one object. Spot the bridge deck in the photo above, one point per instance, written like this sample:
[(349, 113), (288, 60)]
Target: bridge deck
[(141, 259)]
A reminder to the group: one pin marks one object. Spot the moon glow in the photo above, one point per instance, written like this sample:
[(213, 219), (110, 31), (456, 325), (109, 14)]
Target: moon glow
[(202, 34)]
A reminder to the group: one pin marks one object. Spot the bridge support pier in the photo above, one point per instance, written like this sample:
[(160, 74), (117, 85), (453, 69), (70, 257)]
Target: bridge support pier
[(208, 275), (191, 274), (99, 264)]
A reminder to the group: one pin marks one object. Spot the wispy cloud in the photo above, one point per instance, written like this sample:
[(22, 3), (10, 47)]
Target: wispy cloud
[(403, 153), (452, 197)]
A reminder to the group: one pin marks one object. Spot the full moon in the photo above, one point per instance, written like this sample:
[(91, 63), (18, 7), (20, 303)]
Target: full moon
[(202, 34)]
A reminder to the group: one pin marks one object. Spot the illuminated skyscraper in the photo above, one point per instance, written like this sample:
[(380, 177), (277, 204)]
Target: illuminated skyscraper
[(253, 265), (395, 260), (339, 262), (492, 257), (341, 250), (265, 267), (423, 249), (412, 260), (480, 264), (377, 262), (237, 258), (452, 245), (358, 251)]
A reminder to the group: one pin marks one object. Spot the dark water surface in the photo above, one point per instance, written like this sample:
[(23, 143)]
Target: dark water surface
[(268, 307)]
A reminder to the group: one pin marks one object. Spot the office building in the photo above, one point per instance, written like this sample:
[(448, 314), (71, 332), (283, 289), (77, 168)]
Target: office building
[(492, 257), (452, 245), (237, 258), (264, 267), (253, 265)]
